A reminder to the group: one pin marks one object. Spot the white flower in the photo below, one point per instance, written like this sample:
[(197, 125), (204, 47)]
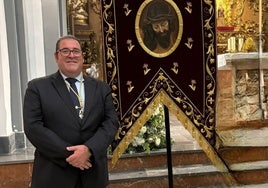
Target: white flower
[(140, 141), (150, 139), (143, 129), (134, 144), (150, 135), (157, 141), (137, 141)]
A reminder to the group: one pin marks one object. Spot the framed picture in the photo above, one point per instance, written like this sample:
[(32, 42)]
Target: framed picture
[(159, 27)]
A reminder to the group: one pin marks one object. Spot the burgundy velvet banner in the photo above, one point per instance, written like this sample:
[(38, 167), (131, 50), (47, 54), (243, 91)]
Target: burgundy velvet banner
[(161, 45)]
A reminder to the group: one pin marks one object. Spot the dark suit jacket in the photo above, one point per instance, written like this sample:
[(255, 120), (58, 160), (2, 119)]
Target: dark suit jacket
[(51, 124)]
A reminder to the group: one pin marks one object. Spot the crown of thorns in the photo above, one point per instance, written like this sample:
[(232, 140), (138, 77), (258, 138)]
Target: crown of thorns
[(158, 11)]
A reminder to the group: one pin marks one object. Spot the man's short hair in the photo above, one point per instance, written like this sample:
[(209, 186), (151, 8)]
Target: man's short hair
[(66, 37)]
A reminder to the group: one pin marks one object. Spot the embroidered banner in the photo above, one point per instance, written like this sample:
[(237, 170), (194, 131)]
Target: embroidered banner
[(161, 51)]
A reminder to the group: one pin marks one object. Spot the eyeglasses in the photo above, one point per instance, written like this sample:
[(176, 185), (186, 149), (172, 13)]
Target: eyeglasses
[(67, 52)]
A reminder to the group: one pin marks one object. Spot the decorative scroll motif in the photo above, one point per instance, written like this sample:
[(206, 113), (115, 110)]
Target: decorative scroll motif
[(183, 80)]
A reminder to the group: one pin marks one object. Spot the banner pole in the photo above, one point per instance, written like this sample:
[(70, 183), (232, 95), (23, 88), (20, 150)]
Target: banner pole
[(168, 146)]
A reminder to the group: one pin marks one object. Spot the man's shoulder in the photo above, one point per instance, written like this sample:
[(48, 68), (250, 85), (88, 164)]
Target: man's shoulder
[(43, 79), (96, 82)]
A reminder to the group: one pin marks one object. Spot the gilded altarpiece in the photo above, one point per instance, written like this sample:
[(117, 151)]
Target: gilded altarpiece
[(243, 24), (143, 72), (83, 20)]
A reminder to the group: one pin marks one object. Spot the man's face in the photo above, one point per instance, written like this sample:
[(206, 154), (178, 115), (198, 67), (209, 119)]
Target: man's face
[(69, 58), (162, 33), (161, 28)]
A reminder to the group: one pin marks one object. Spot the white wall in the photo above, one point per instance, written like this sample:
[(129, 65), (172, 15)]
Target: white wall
[(34, 38), (5, 108)]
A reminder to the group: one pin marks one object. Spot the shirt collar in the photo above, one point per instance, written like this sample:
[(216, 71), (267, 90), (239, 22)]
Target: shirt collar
[(79, 77)]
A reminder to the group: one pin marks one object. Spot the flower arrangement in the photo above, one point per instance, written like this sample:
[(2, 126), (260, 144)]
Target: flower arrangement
[(152, 135)]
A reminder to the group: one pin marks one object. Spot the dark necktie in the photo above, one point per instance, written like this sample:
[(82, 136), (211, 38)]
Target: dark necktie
[(73, 92)]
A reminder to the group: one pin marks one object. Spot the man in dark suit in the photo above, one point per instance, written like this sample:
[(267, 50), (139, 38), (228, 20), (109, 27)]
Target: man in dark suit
[(71, 137)]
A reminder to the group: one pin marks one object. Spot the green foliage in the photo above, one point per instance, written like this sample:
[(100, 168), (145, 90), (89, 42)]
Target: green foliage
[(152, 135)]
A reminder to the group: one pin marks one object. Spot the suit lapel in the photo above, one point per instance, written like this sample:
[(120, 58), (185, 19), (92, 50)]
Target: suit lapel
[(63, 92), (89, 96)]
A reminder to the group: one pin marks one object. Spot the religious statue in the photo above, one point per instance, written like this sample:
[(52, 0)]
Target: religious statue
[(221, 16), (78, 11)]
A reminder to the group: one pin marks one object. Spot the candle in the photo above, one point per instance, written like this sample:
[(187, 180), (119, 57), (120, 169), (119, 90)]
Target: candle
[(240, 44), (229, 45), (233, 48)]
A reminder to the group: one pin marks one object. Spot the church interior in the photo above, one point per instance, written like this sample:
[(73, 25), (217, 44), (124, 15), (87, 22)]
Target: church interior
[(236, 157)]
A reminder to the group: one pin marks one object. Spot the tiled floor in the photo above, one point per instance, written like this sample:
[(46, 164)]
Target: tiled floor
[(183, 139)]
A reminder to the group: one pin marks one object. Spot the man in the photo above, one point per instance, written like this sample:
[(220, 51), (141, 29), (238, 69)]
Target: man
[(159, 27), (70, 139)]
